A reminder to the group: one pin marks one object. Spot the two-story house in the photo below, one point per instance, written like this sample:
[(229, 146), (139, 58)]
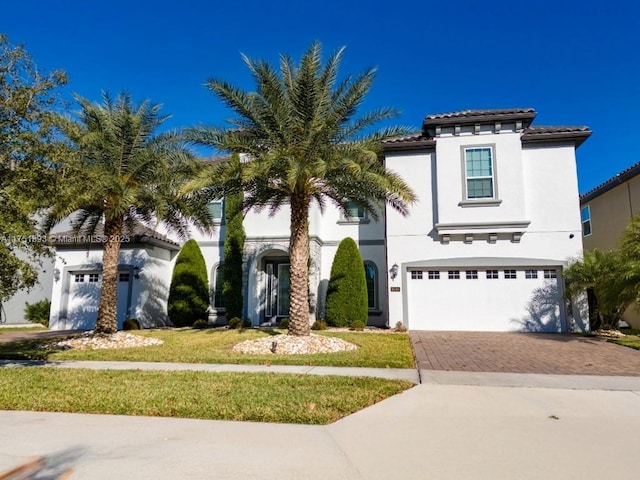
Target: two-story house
[(606, 211), (497, 220), (482, 249)]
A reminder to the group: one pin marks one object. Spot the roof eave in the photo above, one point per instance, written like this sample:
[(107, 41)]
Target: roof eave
[(577, 138), (525, 117), (409, 146)]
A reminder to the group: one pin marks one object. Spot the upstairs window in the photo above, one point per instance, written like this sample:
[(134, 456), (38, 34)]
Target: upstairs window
[(479, 173), (354, 211), (585, 214), (216, 209)]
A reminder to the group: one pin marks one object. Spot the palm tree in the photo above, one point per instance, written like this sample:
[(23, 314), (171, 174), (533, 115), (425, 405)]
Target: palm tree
[(300, 131), (121, 173)]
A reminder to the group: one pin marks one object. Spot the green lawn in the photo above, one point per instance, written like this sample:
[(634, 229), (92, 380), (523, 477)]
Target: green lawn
[(21, 329), (214, 346), (260, 397)]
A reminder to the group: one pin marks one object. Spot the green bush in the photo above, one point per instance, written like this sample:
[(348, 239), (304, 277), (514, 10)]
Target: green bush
[(319, 325), (200, 324), (235, 323), (347, 301), (284, 323), (189, 291), (38, 312), (233, 251), (358, 325), (131, 324)]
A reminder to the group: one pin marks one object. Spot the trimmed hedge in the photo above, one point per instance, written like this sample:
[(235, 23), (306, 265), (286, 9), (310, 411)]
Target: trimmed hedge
[(233, 250), (347, 302), (189, 291)]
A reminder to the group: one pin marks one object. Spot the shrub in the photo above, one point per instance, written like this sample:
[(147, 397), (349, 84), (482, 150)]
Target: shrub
[(131, 324), (319, 325), (235, 323), (284, 323), (200, 324), (246, 323), (358, 325), (189, 291), (233, 250), (347, 290), (400, 327), (38, 312)]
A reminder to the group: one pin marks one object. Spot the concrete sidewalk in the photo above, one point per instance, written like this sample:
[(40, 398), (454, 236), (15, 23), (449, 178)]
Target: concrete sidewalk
[(408, 374), (429, 431)]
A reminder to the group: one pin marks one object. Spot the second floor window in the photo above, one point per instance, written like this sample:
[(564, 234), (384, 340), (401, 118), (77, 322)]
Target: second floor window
[(354, 211), (216, 209), (585, 214), (479, 172)]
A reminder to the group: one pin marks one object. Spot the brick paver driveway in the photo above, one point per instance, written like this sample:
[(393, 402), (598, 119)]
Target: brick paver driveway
[(522, 353)]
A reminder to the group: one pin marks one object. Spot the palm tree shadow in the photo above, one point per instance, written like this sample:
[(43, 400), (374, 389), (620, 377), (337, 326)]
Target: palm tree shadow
[(543, 312)]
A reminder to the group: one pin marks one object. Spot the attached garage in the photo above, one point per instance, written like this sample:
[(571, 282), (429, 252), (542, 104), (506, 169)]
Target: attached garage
[(485, 295)]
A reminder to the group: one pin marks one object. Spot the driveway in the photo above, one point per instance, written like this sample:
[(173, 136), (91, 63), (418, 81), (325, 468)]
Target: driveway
[(561, 354)]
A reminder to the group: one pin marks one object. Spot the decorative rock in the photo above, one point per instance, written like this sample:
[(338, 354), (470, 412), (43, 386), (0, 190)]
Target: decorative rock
[(91, 341), (292, 345)]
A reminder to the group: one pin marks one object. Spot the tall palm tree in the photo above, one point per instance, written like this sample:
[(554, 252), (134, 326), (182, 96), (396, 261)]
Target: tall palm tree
[(305, 143), (123, 172)]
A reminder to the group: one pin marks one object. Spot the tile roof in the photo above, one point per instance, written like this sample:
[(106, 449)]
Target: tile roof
[(481, 113), (623, 176), (408, 142), (577, 134)]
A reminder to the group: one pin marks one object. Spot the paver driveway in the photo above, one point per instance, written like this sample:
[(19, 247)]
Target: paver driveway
[(562, 354)]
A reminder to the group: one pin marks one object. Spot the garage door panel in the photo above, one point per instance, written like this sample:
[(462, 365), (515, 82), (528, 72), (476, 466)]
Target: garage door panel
[(484, 304)]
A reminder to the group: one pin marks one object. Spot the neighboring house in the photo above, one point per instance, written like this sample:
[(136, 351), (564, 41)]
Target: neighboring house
[(482, 249), (496, 222), (606, 211)]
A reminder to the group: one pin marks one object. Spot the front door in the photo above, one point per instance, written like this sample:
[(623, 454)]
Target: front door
[(277, 290)]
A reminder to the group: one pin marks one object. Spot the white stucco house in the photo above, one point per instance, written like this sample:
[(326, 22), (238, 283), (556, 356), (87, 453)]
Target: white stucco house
[(482, 249)]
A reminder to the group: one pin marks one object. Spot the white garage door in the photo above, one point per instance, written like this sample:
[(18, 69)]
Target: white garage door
[(84, 299), (474, 299)]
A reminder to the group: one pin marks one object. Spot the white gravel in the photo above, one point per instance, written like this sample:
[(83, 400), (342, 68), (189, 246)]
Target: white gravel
[(89, 341), (293, 345)]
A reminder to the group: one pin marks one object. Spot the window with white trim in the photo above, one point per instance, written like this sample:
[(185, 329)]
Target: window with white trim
[(550, 274), (416, 274), (216, 210), (530, 274), (354, 211), (479, 173), (510, 274), (454, 274), (472, 274), (434, 275), (585, 216), (123, 277), (78, 278), (94, 278)]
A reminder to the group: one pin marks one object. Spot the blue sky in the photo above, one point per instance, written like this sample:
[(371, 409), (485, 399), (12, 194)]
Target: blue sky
[(575, 62)]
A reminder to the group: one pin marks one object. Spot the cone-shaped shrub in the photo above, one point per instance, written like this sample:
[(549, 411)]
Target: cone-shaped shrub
[(233, 248), (189, 291), (347, 290)]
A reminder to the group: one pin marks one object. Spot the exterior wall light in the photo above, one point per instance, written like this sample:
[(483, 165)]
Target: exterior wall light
[(56, 274), (394, 271), (136, 272)]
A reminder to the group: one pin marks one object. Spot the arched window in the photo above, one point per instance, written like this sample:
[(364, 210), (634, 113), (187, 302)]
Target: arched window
[(371, 274), (218, 280)]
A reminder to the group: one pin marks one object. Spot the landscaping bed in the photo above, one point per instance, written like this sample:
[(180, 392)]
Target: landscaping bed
[(376, 350)]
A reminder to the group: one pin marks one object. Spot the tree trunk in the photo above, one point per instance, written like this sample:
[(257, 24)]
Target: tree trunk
[(299, 266), (107, 321)]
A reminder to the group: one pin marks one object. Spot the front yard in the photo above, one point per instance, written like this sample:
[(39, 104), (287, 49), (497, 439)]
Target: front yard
[(377, 350), (260, 397)]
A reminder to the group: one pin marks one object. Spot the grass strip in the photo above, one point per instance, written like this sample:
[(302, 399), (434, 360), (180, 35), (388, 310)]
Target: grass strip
[(260, 397), (214, 346)]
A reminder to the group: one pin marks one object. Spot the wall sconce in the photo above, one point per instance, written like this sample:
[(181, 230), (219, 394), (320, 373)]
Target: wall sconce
[(136, 272), (394, 271), (56, 274)]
